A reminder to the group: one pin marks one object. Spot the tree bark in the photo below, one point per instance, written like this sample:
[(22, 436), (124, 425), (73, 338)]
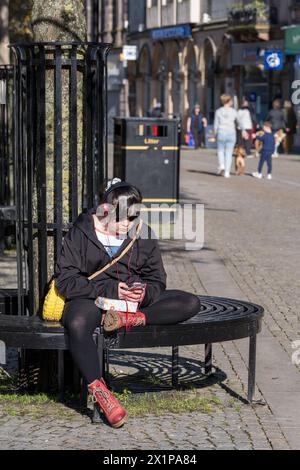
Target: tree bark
[(58, 21), (4, 40), (20, 20)]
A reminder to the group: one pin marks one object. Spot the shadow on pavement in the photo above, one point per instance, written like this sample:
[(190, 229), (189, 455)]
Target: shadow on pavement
[(152, 372), (203, 172)]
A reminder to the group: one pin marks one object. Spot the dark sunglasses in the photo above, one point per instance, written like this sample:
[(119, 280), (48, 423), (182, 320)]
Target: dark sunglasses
[(130, 218)]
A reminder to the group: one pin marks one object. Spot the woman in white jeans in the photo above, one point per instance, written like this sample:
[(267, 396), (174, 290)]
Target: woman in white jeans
[(226, 119)]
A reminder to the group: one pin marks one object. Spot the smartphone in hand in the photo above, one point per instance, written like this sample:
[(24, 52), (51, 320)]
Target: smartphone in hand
[(136, 285)]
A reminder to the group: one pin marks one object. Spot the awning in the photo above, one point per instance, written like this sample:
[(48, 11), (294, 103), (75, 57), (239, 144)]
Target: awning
[(292, 40)]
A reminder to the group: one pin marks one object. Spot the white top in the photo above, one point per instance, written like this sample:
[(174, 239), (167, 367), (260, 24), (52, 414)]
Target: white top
[(225, 120), (244, 119), (110, 242)]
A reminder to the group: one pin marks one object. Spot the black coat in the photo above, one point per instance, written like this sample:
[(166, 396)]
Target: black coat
[(83, 254), (291, 120)]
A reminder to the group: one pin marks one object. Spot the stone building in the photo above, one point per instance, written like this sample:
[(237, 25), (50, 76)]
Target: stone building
[(107, 22), (194, 50)]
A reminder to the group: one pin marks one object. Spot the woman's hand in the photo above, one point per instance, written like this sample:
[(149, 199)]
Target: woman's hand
[(122, 290), (245, 135), (135, 295)]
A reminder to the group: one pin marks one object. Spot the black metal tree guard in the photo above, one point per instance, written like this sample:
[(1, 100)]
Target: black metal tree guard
[(7, 212), (66, 66)]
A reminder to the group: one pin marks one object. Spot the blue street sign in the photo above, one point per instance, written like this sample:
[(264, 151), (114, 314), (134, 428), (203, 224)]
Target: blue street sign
[(273, 60), (180, 31), (253, 97)]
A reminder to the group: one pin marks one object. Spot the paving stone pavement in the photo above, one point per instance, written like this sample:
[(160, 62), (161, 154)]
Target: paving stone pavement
[(250, 252)]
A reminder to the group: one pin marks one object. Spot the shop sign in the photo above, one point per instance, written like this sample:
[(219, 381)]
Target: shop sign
[(253, 53), (129, 52), (253, 97), (292, 40), (180, 31), (273, 60)]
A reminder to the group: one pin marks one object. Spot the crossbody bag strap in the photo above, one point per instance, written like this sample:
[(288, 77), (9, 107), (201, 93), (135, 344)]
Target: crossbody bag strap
[(114, 261)]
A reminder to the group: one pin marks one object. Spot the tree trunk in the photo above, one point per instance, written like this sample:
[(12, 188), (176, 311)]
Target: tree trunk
[(4, 51), (56, 21), (59, 20)]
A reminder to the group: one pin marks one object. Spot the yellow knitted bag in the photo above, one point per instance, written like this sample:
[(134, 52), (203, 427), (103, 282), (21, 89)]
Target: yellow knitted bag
[(54, 304)]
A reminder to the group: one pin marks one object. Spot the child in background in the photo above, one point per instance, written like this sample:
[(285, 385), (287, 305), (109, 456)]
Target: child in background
[(268, 148)]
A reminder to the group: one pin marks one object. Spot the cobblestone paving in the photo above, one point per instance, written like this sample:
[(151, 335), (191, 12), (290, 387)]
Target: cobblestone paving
[(251, 234), (192, 431)]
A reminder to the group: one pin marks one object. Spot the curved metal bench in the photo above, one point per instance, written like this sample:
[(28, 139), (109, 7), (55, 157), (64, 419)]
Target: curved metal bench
[(220, 319)]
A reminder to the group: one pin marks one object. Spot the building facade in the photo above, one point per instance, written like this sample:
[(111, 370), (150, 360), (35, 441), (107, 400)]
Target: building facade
[(177, 56), (107, 21), (194, 50), (191, 51)]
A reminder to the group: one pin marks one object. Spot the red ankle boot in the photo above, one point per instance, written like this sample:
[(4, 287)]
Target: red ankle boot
[(114, 413), (114, 320)]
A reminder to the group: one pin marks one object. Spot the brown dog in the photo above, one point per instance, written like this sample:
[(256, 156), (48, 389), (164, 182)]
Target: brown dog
[(239, 154), (279, 137), (258, 144)]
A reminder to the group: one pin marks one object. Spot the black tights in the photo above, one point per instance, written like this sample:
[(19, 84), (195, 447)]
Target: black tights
[(81, 317)]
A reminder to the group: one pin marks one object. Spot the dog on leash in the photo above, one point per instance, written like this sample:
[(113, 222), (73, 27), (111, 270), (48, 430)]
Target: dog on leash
[(239, 154), (258, 144), (279, 137)]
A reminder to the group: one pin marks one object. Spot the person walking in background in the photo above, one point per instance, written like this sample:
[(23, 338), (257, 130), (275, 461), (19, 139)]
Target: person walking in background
[(196, 125), (156, 111), (226, 118), (291, 126), (245, 122), (268, 147), (277, 119)]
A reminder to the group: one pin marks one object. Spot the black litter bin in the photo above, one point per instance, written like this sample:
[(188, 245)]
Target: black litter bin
[(147, 153)]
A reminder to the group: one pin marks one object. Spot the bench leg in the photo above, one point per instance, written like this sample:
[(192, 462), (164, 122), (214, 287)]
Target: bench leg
[(96, 419), (2, 235), (106, 366), (76, 379), (175, 366), (252, 367), (83, 393), (61, 375), (208, 359)]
